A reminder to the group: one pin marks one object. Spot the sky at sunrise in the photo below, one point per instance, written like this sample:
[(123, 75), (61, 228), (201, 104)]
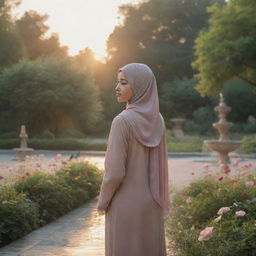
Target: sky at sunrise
[(79, 23)]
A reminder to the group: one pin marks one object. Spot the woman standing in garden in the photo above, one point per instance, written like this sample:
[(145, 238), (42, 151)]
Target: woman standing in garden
[(135, 190)]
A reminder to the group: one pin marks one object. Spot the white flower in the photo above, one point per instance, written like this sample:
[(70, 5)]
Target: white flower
[(240, 213), (206, 234), (223, 210), (217, 219)]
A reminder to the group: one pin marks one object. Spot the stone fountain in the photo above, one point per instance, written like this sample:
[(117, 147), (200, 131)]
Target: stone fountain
[(23, 150), (177, 129), (224, 145)]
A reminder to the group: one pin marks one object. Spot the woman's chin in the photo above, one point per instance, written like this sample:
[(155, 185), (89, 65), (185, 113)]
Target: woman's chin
[(120, 99)]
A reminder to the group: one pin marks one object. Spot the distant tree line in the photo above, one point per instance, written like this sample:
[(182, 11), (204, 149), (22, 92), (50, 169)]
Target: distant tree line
[(196, 48)]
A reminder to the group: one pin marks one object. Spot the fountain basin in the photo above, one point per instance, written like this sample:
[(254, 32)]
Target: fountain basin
[(223, 146), (21, 153)]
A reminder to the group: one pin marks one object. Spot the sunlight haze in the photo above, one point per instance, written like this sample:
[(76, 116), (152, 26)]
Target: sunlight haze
[(79, 23)]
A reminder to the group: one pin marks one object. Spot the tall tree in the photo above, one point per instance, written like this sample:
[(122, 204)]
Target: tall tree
[(227, 49), (160, 33), (11, 45), (48, 93), (32, 29), (85, 59)]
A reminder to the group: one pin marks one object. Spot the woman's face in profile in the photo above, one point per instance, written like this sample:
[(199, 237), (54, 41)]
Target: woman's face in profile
[(123, 88)]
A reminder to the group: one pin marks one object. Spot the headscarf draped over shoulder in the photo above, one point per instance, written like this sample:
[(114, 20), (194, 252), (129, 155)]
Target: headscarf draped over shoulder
[(147, 125)]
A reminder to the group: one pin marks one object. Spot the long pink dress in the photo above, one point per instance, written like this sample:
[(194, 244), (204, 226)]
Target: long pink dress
[(134, 222)]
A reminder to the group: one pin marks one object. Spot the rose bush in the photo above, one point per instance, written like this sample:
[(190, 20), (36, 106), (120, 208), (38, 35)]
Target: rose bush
[(216, 214), (35, 194)]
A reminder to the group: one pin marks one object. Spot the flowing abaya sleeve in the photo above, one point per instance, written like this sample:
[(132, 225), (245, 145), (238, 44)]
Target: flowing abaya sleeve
[(115, 162)]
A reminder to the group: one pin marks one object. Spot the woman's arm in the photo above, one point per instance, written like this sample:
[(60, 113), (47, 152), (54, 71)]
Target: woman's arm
[(115, 162)]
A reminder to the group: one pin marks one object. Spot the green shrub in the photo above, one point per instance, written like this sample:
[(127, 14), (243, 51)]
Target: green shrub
[(18, 214), (186, 144), (9, 143), (50, 194), (249, 144), (48, 93), (246, 128), (196, 207), (46, 134), (83, 178), (236, 234), (57, 194), (55, 144), (65, 144), (9, 135), (36, 197), (72, 134)]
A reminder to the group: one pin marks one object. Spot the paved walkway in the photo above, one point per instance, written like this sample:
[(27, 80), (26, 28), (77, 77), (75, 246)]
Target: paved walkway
[(81, 232), (78, 233)]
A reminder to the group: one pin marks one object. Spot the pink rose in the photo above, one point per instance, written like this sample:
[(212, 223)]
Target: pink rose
[(240, 213), (248, 165), (206, 234), (236, 162), (1, 177), (58, 156), (249, 184), (242, 174), (223, 210)]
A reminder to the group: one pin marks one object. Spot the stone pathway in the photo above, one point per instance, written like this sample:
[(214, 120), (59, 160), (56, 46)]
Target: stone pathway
[(81, 232), (78, 233)]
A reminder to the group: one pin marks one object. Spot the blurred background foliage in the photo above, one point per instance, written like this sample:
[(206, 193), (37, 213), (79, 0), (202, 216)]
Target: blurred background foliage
[(57, 95)]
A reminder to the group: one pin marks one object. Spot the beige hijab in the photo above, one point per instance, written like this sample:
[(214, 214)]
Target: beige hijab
[(147, 124)]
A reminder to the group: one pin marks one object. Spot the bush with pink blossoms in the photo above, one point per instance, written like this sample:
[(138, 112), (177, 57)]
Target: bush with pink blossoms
[(18, 215), (214, 216), (42, 196)]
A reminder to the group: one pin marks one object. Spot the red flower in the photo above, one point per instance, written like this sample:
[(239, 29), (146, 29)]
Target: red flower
[(1, 177), (85, 172), (220, 178), (27, 173), (22, 177), (227, 170)]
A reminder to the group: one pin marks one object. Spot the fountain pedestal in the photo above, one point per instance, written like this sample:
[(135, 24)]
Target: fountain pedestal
[(177, 129), (23, 150), (224, 145)]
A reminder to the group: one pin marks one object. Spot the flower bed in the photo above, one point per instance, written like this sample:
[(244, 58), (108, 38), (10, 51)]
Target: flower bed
[(215, 215), (34, 195)]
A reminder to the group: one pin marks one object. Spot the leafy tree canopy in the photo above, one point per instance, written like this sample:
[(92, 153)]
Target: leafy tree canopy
[(11, 45), (160, 33), (32, 29), (48, 93), (227, 49)]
